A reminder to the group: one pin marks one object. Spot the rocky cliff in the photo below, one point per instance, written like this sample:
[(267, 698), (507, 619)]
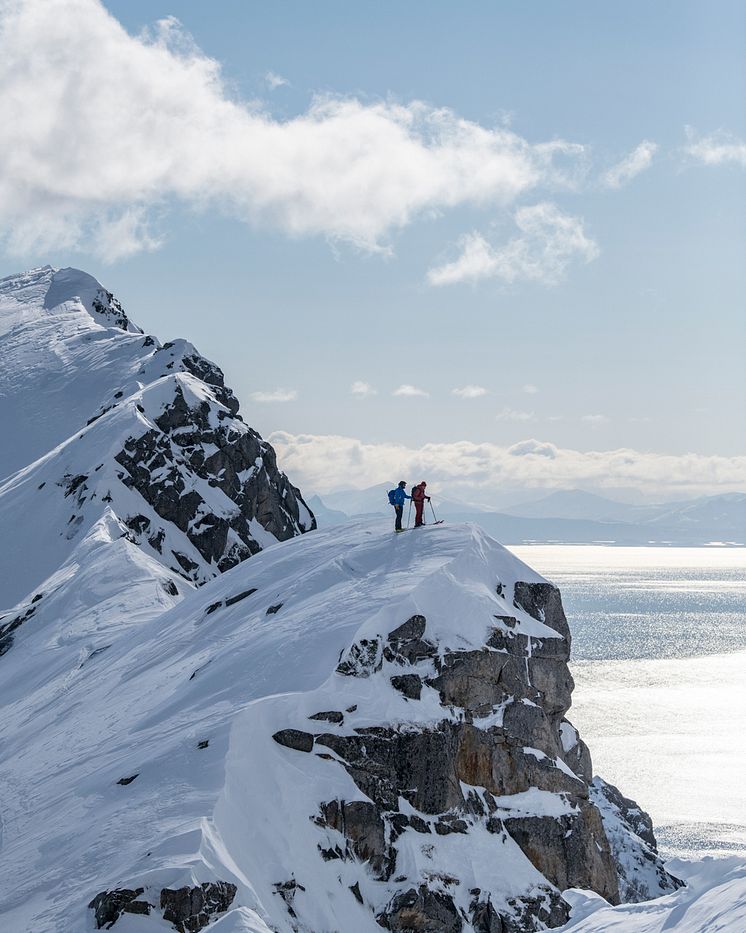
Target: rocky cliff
[(350, 731)]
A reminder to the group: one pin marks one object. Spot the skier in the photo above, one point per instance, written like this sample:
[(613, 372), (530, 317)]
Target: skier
[(396, 498), (418, 497)]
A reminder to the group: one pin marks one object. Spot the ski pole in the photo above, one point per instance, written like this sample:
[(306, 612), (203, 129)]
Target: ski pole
[(435, 518), (409, 513)]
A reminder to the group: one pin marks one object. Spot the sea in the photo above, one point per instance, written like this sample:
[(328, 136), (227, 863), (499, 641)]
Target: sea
[(659, 662)]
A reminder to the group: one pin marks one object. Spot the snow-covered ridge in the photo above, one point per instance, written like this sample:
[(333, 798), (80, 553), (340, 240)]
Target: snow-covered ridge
[(347, 730), (148, 432)]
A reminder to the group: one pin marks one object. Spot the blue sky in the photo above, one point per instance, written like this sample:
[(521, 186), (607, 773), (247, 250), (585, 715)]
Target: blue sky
[(591, 283)]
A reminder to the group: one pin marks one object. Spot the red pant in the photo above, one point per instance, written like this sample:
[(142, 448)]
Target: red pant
[(419, 505)]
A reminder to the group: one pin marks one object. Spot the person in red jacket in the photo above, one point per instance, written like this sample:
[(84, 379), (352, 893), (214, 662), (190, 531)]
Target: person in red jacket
[(418, 497)]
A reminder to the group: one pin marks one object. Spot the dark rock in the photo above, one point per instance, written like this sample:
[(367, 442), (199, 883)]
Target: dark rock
[(170, 587), (192, 909), (355, 888), (37, 598), (406, 645), (239, 596), (213, 607), (451, 824), (138, 523), (108, 906), (273, 609), (542, 601), (420, 909), (203, 744), (128, 780), (362, 659), (411, 630), (571, 851), (184, 445), (73, 483), (484, 918), (287, 891), (364, 829), (408, 684), (418, 824), (329, 716), (548, 909), (294, 738), (471, 680)]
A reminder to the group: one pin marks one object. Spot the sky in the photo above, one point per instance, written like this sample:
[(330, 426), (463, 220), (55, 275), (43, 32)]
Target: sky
[(499, 243)]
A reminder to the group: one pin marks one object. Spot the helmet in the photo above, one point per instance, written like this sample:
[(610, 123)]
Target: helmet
[(402, 483)]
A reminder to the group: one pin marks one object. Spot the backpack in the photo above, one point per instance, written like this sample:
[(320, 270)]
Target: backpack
[(392, 493)]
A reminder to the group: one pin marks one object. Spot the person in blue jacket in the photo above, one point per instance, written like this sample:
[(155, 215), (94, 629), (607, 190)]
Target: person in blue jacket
[(396, 498)]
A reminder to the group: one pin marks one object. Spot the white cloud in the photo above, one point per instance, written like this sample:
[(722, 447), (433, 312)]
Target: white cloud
[(716, 149), (278, 395), (510, 414), (273, 81), (411, 391), (470, 391), (327, 462), (637, 161), (595, 420), (548, 241), (530, 389), (363, 389), (150, 122)]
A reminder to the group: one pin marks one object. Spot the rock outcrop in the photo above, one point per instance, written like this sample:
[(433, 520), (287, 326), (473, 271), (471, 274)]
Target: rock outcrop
[(187, 909), (501, 763)]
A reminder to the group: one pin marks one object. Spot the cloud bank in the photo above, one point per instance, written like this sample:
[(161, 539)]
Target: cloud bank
[(108, 126), (547, 243), (329, 462)]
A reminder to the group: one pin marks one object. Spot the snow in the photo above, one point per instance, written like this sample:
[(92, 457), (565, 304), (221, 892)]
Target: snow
[(77, 720), (713, 901)]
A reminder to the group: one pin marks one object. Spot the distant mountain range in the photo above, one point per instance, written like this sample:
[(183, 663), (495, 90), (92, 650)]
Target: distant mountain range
[(570, 516)]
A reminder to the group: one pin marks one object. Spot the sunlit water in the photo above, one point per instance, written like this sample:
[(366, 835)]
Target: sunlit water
[(659, 660)]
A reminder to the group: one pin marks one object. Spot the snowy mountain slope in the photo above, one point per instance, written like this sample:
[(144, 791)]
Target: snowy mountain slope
[(66, 346), (713, 901), (348, 730), (156, 438)]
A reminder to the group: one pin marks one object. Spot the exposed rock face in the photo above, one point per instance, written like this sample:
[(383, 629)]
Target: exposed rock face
[(200, 441), (502, 737), (187, 909)]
